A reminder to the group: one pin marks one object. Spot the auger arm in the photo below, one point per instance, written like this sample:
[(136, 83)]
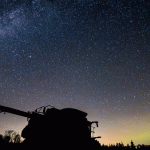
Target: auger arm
[(15, 111)]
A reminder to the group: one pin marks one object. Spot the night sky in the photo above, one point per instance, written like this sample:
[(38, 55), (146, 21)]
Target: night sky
[(93, 55)]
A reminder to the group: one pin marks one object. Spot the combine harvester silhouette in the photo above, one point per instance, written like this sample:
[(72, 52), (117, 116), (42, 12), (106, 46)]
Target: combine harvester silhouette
[(60, 128)]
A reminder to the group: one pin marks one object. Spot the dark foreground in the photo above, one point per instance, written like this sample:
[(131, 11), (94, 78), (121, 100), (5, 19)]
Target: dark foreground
[(118, 146)]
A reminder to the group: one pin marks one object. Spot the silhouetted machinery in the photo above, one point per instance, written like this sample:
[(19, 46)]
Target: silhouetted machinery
[(61, 128)]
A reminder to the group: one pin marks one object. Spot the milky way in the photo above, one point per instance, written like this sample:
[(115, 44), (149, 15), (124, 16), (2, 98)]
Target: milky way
[(91, 55)]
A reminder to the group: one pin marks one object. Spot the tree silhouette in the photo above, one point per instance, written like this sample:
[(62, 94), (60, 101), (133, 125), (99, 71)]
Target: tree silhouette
[(1, 139), (7, 139), (132, 144), (10, 136), (17, 139)]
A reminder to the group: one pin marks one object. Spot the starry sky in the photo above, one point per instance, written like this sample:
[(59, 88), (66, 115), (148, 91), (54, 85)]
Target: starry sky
[(92, 55)]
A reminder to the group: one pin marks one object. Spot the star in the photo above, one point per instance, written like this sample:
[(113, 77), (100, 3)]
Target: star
[(89, 55)]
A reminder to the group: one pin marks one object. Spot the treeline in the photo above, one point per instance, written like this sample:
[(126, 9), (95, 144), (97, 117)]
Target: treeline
[(11, 139), (10, 136), (130, 146)]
